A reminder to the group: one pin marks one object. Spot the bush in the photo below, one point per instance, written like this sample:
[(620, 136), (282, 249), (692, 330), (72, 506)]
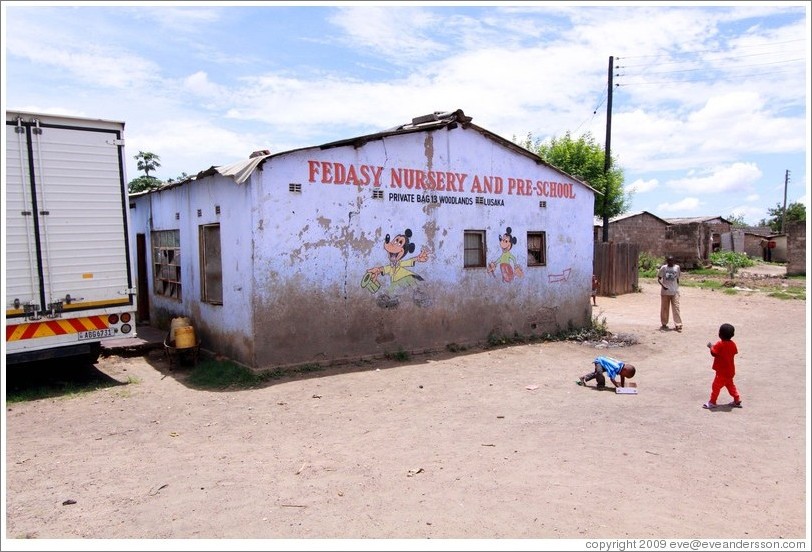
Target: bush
[(731, 261), (648, 264)]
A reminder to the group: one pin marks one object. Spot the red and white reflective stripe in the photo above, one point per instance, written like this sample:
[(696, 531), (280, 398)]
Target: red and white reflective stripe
[(53, 328)]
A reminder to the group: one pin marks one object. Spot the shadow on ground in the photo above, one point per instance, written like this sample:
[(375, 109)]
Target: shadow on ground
[(54, 378)]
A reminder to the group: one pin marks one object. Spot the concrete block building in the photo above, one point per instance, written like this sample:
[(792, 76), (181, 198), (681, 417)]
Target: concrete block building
[(432, 233)]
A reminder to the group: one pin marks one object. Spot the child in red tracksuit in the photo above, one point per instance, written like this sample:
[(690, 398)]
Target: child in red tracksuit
[(723, 352)]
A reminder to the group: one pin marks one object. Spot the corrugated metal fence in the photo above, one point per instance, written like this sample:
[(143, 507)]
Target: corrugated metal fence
[(616, 265)]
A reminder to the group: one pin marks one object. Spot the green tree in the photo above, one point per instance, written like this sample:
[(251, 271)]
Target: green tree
[(143, 183), (585, 159), (737, 221), (147, 161), (795, 211), (180, 178)]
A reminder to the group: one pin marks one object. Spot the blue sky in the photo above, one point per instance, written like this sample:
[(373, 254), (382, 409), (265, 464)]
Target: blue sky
[(709, 112)]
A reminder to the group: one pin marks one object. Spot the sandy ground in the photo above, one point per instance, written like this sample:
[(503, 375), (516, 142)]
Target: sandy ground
[(496, 444)]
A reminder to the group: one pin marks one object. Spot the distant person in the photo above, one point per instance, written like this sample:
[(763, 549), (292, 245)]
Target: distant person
[(668, 278), (611, 366), (596, 284), (723, 352), (765, 247)]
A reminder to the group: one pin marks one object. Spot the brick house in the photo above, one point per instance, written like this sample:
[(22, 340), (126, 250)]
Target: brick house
[(751, 238), (689, 240), (796, 248)]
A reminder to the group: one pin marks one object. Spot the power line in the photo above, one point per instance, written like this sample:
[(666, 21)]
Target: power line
[(601, 99), (716, 51), (737, 67), (713, 78), (709, 64), (725, 57)]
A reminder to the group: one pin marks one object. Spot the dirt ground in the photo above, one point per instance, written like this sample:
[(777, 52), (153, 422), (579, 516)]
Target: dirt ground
[(487, 444)]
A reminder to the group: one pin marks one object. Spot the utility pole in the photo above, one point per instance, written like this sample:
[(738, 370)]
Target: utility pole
[(608, 157), (784, 212)]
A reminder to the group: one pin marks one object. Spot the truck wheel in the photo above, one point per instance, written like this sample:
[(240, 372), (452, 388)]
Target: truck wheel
[(92, 356)]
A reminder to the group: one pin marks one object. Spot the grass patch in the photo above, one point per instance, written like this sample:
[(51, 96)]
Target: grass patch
[(597, 330), (789, 294), (226, 374), (499, 340), (400, 355), (703, 284), (63, 390), (217, 374), (46, 380), (455, 348), (706, 272), (786, 288)]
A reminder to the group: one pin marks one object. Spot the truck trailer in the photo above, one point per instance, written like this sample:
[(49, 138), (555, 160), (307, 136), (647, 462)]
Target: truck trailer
[(69, 280)]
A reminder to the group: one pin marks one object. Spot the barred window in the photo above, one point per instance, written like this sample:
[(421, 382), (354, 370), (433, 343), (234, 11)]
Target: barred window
[(536, 248), (166, 263), (474, 254)]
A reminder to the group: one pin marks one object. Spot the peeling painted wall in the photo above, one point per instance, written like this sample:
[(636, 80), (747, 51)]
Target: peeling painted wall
[(349, 251), (315, 247), (225, 328)]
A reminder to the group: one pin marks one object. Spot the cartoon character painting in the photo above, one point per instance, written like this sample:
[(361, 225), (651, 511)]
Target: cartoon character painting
[(398, 270), (507, 261)]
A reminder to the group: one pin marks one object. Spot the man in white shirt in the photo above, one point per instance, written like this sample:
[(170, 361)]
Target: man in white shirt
[(668, 278)]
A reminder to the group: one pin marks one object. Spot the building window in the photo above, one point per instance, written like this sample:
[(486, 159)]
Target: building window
[(166, 263), (474, 254), (211, 265), (536, 249)]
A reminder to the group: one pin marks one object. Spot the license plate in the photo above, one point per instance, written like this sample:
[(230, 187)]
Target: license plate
[(96, 334)]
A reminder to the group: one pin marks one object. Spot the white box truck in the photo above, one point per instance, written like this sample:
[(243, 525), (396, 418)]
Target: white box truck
[(68, 268)]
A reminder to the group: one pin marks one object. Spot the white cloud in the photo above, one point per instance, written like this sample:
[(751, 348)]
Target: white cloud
[(642, 186), (103, 64), (738, 177), (182, 18), (751, 214), (201, 144), (52, 110), (397, 33), (686, 204), (200, 85), (805, 200), (514, 69)]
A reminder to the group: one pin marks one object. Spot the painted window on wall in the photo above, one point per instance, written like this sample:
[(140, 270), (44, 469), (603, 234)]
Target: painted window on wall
[(474, 254), (166, 263), (211, 265), (536, 248)]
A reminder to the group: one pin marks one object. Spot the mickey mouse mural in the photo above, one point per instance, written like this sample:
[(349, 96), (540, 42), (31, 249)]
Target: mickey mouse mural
[(400, 277), (507, 261)]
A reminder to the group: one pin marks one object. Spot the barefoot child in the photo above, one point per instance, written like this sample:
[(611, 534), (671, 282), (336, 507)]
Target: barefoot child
[(611, 366), (596, 283), (723, 352)]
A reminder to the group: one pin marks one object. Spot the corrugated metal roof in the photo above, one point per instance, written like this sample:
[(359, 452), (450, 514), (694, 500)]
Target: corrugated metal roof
[(599, 220), (242, 169), (449, 120), (758, 230), (689, 220)]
